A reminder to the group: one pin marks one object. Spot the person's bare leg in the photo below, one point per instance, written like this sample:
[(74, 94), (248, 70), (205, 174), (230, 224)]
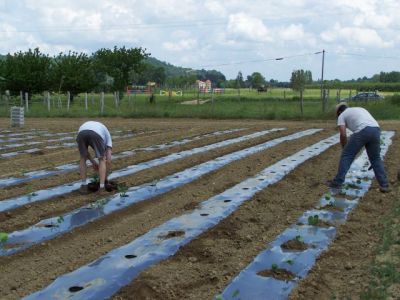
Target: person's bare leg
[(102, 171), (82, 169)]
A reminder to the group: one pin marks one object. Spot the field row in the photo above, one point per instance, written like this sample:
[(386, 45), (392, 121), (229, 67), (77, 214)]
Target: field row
[(184, 198)]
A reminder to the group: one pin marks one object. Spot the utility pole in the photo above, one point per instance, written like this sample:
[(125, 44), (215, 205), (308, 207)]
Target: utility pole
[(322, 83)]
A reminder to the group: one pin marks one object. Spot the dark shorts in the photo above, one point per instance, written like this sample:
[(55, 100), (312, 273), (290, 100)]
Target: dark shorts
[(90, 138)]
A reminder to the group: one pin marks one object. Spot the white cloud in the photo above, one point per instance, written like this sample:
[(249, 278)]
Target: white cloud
[(247, 27), (292, 32), (216, 8), (194, 33), (355, 36), (181, 45)]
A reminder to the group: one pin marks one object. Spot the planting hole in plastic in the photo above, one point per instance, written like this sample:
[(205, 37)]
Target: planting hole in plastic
[(74, 289), (204, 215), (130, 256)]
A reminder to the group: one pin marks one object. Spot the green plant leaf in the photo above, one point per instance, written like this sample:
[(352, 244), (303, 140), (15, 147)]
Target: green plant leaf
[(3, 237)]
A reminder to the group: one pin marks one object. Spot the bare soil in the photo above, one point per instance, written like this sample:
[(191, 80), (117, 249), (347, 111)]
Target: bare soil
[(201, 269)]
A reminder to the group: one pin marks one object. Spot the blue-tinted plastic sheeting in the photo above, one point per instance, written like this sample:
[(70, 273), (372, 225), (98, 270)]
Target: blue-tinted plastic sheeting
[(55, 226), (45, 194), (29, 176), (63, 145), (249, 285), (106, 275)]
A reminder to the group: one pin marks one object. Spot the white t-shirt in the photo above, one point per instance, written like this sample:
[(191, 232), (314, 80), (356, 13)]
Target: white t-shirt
[(356, 119), (100, 129)]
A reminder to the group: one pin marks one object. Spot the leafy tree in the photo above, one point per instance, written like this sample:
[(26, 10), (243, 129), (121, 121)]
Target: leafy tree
[(73, 72), (298, 80), (308, 76), (257, 80), (239, 80), (118, 63), (149, 73), (27, 71)]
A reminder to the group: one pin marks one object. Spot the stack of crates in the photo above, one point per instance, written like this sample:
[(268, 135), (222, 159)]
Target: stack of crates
[(17, 116)]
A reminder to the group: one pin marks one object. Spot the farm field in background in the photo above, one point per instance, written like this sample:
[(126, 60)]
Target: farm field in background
[(276, 104), (364, 247)]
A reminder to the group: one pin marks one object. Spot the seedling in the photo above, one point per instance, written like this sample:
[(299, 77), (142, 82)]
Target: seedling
[(122, 189), (3, 237), (274, 267), (358, 181), (60, 219), (235, 293), (219, 297), (313, 220), (328, 196), (290, 262), (299, 238), (95, 178)]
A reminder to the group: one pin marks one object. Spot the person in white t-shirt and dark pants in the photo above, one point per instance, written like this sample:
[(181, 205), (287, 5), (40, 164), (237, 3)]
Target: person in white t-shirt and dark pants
[(97, 136), (366, 133)]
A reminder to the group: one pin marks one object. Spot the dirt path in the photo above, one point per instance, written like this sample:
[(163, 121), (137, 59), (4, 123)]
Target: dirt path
[(202, 269)]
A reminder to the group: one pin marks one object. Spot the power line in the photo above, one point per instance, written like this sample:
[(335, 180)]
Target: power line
[(257, 60)]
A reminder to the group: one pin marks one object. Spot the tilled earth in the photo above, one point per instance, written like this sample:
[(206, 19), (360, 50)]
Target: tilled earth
[(201, 269)]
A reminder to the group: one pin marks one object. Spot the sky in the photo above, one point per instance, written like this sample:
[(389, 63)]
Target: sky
[(273, 37)]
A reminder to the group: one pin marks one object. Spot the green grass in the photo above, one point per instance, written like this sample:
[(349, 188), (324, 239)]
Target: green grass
[(250, 104), (385, 273)]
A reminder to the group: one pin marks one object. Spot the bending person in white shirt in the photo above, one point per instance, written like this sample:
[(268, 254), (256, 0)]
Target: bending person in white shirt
[(366, 133), (97, 136)]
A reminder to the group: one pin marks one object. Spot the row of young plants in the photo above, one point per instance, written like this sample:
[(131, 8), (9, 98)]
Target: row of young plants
[(120, 266)]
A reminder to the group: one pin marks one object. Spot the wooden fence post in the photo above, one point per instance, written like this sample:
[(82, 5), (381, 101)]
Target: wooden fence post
[(7, 95), (48, 101), (21, 94), (86, 98), (102, 103), (27, 102), (68, 100)]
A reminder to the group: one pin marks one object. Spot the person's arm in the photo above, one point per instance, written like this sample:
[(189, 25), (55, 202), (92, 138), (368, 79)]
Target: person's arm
[(343, 135), (108, 154)]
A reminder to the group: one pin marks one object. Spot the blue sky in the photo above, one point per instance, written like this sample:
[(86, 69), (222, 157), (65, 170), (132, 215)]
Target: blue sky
[(361, 37)]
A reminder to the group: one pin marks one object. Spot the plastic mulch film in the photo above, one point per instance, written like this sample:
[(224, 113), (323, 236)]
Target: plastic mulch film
[(315, 228), (29, 176), (52, 227), (106, 275)]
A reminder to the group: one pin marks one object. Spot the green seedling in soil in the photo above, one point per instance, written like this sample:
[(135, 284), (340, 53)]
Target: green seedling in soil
[(3, 237), (358, 181), (122, 189), (235, 293), (299, 238), (274, 267), (290, 262), (313, 220), (95, 178), (60, 219), (328, 196), (219, 297)]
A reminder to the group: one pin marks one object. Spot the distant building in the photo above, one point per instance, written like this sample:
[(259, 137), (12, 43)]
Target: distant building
[(204, 86)]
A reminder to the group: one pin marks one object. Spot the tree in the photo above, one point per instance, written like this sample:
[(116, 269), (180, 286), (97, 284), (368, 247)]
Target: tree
[(118, 63), (149, 73), (239, 80), (257, 80), (27, 71), (298, 81), (73, 72)]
